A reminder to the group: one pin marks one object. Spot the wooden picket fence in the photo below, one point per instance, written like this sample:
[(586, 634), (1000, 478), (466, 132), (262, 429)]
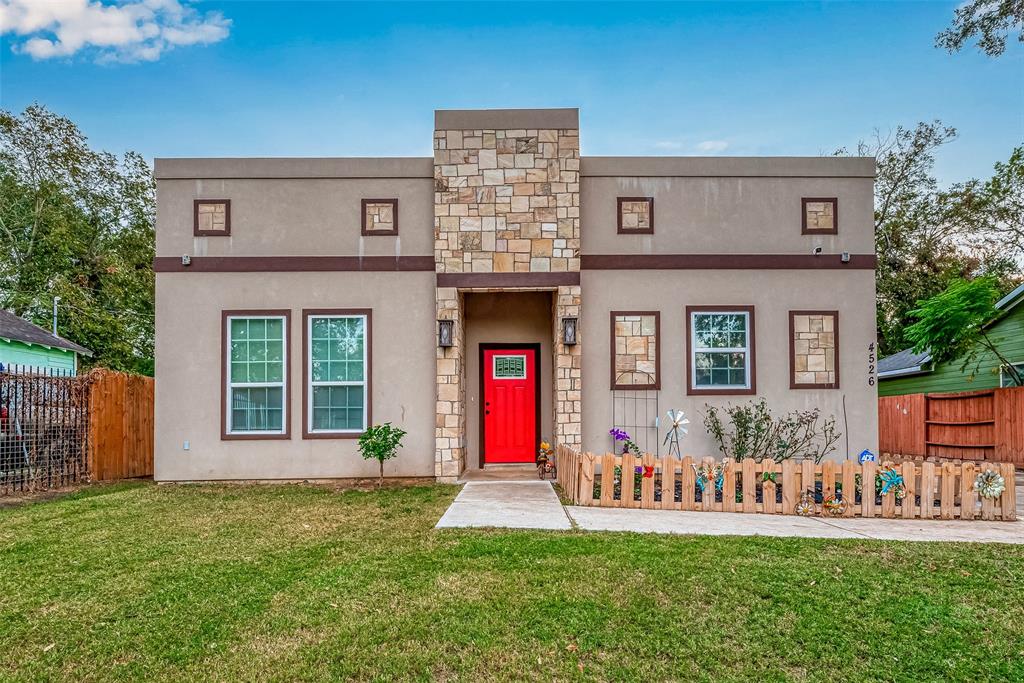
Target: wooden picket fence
[(932, 490)]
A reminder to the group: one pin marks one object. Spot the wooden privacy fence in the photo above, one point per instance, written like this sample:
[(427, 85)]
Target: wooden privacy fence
[(974, 425), (120, 425), (929, 490)]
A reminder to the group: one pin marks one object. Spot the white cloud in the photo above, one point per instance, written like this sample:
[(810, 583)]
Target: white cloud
[(128, 31), (668, 144), (712, 146)]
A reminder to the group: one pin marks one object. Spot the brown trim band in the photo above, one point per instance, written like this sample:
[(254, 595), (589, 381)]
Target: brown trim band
[(224, 315), (751, 344), (792, 350), (368, 370), (471, 280), (657, 353), (298, 264), (726, 262)]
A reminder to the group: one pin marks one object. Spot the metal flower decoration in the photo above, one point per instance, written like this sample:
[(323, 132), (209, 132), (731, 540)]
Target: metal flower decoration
[(677, 429), (835, 506), (707, 472), (892, 481), (805, 507), (989, 484)]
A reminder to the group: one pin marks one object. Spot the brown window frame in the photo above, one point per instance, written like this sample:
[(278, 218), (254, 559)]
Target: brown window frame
[(804, 230), (268, 312), (618, 216), (792, 350), (306, 313), (196, 232), (751, 343), (378, 233), (657, 353)]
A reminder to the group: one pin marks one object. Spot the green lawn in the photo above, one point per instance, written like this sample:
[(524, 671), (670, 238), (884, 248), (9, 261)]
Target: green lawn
[(294, 582)]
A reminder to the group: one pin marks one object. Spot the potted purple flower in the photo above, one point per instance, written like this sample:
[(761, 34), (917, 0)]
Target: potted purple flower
[(627, 443)]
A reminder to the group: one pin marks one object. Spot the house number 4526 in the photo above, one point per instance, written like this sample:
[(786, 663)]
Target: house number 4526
[(871, 364)]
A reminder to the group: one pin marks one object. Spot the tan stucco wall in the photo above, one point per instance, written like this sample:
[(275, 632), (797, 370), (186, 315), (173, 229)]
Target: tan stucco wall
[(296, 217), (515, 317), (726, 215), (188, 373), (773, 294)]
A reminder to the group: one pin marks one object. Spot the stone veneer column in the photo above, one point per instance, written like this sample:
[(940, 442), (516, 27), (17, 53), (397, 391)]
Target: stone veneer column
[(450, 427), (568, 366)]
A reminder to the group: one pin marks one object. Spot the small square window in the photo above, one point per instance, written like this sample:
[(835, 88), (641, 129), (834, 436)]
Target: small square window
[(636, 215), (211, 218), (380, 217), (820, 216)]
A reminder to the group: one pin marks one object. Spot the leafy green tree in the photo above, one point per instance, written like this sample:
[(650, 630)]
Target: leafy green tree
[(954, 325), (380, 442), (77, 224), (987, 20)]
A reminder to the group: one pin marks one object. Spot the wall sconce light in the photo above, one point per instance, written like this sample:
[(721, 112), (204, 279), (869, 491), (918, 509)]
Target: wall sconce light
[(445, 337), (569, 331)]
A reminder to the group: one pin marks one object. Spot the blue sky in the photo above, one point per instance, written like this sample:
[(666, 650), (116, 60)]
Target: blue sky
[(347, 79)]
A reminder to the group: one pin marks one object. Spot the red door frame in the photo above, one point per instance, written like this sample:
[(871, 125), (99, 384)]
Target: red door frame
[(480, 398)]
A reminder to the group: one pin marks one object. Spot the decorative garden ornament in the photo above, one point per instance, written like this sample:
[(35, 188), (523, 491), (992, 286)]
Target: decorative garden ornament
[(708, 472), (835, 506), (805, 507), (989, 484), (892, 481), (677, 422)]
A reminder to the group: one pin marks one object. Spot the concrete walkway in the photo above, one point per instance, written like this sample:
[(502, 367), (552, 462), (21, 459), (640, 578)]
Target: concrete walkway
[(513, 504), (735, 524)]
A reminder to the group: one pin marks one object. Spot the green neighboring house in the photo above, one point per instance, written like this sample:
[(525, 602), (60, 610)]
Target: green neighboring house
[(22, 343), (907, 372)]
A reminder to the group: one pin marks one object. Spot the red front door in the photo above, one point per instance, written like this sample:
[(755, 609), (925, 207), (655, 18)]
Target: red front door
[(510, 405)]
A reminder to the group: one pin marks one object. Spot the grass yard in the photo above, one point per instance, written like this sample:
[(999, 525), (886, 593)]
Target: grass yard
[(294, 582)]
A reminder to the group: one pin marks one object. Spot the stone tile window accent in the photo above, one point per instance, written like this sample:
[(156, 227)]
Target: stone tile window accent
[(820, 216), (636, 215), (211, 218), (380, 217), (720, 350), (507, 200), (336, 369), (814, 349), (255, 383), (636, 348)]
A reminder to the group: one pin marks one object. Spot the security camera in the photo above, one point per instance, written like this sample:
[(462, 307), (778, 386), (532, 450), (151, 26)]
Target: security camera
[(817, 251), (186, 260), (845, 258)]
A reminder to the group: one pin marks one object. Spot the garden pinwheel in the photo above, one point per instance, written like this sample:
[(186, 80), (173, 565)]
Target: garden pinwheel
[(677, 422)]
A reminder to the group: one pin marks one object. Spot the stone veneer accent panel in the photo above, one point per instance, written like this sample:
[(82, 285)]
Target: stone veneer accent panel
[(506, 200), (636, 214), (568, 366), (636, 351), (819, 215), (450, 426), (380, 217), (814, 350), (212, 218)]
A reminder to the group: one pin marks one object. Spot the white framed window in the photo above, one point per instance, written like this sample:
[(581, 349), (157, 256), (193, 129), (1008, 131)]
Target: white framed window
[(337, 391), (508, 367), (1006, 379), (721, 350), (256, 382)]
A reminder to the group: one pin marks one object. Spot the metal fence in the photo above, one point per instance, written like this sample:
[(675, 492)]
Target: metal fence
[(44, 429)]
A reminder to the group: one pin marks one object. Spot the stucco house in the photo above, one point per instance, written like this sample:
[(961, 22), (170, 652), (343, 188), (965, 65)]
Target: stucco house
[(907, 372), (28, 345), (505, 291)]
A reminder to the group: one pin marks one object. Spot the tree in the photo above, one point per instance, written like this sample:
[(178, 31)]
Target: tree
[(380, 443), (78, 224), (926, 237), (988, 20), (954, 325)]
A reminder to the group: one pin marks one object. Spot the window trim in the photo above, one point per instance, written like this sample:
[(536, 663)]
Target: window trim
[(1003, 375), (366, 232), (196, 232), (225, 374), (618, 216), (751, 389), (792, 350), (307, 383), (804, 230), (657, 352)]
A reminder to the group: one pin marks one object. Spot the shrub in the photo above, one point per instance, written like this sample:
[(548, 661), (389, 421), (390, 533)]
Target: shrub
[(380, 442), (753, 432)]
